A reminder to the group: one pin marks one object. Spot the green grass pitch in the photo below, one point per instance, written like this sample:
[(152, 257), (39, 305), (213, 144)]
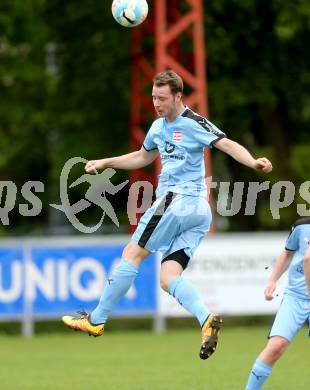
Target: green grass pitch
[(144, 361)]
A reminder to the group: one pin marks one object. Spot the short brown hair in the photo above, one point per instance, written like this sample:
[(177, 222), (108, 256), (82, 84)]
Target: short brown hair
[(169, 77)]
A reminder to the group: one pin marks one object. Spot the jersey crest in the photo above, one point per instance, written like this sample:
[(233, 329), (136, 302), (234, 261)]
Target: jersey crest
[(177, 136)]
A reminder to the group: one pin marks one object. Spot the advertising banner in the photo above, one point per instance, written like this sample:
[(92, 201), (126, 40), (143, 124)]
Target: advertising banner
[(231, 272), (49, 280)]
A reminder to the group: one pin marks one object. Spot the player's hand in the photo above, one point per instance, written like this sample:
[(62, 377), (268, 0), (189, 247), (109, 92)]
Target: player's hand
[(263, 164), (269, 291), (94, 165)]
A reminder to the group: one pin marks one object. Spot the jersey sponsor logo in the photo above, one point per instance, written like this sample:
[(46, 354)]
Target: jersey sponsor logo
[(169, 148), (173, 157), (177, 136)]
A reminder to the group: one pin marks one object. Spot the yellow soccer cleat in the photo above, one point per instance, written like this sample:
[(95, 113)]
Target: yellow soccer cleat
[(83, 324), (209, 335)]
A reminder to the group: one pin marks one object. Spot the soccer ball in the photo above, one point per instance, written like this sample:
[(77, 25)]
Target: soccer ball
[(129, 13)]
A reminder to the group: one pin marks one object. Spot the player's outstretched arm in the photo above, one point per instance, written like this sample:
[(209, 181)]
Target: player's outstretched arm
[(307, 268), (134, 160), (280, 267), (242, 155)]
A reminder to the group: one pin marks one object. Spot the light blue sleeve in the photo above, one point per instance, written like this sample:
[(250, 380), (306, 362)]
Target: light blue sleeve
[(206, 133), (148, 142), (292, 242)]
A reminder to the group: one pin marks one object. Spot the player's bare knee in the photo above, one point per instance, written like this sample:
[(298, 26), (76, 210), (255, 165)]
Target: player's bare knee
[(164, 279), (164, 282), (277, 347), (134, 253), (169, 271)]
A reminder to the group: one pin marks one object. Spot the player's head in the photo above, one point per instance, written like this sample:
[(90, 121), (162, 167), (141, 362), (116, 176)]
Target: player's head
[(170, 78), (167, 93)]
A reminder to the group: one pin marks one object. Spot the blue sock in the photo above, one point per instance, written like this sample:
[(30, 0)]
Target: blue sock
[(118, 284), (189, 298), (259, 374)]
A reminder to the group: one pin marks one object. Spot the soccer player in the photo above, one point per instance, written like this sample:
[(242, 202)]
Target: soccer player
[(307, 267), (294, 310), (179, 218)]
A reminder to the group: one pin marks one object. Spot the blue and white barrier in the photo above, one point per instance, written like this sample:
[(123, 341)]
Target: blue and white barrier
[(41, 279)]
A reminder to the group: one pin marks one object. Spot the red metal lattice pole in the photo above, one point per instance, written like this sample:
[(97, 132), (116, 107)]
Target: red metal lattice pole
[(176, 28)]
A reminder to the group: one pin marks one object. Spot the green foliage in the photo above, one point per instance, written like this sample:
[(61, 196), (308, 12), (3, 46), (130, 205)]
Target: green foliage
[(259, 79), (23, 115)]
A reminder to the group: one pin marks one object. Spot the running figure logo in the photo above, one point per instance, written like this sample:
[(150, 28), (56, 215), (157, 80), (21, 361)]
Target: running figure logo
[(99, 185)]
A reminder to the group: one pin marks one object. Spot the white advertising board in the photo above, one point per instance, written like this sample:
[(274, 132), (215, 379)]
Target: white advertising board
[(231, 272)]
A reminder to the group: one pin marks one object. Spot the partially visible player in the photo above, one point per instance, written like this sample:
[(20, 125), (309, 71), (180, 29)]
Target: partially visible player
[(307, 267), (294, 310), (180, 217)]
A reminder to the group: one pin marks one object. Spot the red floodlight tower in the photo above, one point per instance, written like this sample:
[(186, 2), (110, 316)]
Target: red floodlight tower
[(172, 37)]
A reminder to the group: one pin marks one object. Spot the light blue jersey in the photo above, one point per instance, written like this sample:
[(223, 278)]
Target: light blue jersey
[(298, 241), (177, 221), (294, 310), (181, 146)]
